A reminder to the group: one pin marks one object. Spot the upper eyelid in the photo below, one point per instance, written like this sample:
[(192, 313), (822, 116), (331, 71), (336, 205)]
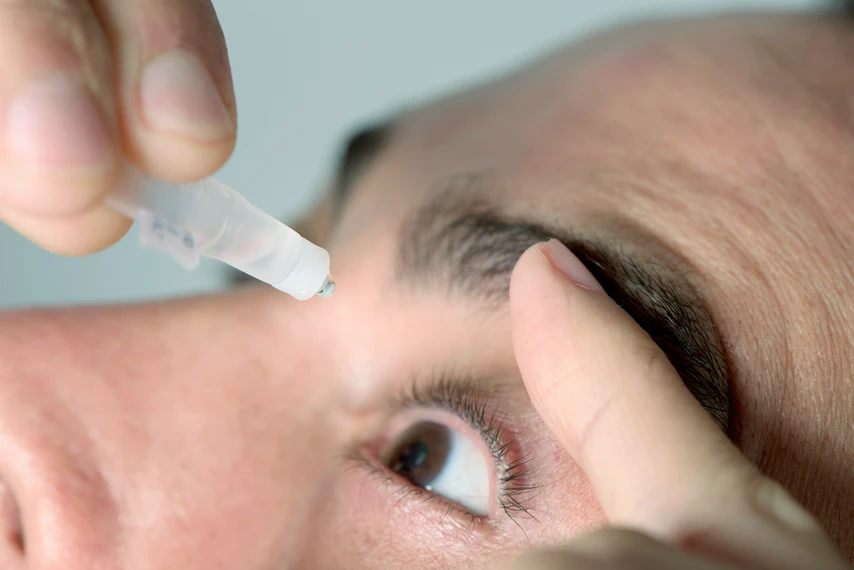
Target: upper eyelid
[(452, 392), (464, 395), (447, 388)]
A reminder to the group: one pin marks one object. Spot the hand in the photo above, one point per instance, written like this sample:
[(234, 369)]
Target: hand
[(656, 461), (86, 83)]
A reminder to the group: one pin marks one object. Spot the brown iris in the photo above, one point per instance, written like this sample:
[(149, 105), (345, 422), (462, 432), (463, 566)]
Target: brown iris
[(421, 453)]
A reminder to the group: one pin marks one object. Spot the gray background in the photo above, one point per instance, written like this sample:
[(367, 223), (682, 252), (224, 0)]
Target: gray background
[(307, 71)]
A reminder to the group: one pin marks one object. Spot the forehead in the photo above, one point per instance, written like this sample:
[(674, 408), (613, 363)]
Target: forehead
[(718, 130), (717, 138)]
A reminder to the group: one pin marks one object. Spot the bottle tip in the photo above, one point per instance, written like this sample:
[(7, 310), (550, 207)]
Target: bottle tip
[(327, 288)]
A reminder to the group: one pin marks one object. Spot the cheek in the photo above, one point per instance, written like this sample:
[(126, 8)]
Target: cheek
[(369, 519), (238, 492)]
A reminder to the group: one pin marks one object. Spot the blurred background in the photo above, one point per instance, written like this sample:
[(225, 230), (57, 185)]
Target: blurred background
[(306, 73)]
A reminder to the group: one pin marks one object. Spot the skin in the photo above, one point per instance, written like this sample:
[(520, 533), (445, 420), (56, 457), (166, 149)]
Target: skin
[(588, 367), (208, 432), (177, 129)]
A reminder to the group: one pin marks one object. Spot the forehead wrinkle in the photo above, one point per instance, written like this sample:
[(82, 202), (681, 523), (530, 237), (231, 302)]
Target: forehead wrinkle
[(741, 221)]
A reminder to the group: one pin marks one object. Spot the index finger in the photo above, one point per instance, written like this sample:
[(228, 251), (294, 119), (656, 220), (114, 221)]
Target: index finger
[(655, 459)]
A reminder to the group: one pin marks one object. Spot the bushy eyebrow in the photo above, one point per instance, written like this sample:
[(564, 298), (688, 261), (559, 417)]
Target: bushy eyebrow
[(460, 243)]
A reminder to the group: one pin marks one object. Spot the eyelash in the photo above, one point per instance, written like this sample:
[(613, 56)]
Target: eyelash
[(461, 396)]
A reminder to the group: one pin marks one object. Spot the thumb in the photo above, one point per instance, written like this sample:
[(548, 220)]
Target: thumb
[(653, 456)]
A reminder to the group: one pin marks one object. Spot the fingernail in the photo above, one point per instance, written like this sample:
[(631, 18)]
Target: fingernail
[(567, 264), (777, 502), (55, 124), (178, 95)]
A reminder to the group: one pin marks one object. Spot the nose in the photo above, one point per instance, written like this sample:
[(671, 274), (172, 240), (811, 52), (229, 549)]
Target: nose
[(154, 437), (55, 506), (54, 528), (11, 532)]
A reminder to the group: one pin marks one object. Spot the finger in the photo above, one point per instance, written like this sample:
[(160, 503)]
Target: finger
[(616, 549), (592, 373), (82, 233), (178, 113), (654, 457), (57, 146)]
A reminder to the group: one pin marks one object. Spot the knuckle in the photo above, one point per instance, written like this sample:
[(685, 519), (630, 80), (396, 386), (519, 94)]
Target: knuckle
[(53, 30), (193, 22), (193, 25)]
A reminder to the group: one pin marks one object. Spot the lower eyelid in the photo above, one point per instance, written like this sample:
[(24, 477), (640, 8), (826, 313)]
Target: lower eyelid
[(420, 501)]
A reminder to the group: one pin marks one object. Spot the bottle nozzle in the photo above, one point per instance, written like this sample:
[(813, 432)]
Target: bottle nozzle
[(327, 288)]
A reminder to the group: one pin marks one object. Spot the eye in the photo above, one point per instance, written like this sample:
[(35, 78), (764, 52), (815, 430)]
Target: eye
[(444, 461)]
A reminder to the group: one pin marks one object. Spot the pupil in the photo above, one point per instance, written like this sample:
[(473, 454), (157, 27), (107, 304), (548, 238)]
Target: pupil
[(412, 457), (421, 453)]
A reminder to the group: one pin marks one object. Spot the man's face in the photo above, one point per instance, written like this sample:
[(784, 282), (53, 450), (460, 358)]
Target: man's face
[(699, 169)]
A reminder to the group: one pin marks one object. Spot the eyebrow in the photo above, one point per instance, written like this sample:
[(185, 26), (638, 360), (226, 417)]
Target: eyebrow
[(360, 150), (459, 242)]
